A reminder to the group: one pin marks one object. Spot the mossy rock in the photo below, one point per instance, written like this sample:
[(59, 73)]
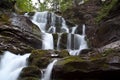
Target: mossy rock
[(39, 58), (29, 78), (63, 42), (62, 53), (4, 19), (30, 71), (75, 63), (55, 37)]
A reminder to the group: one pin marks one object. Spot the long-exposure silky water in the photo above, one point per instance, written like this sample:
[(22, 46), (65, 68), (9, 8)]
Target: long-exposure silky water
[(11, 65), (42, 19), (51, 24), (48, 71)]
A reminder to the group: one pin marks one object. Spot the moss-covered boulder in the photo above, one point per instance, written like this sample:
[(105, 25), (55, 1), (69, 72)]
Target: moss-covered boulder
[(62, 53), (30, 73), (80, 67), (39, 58), (63, 41)]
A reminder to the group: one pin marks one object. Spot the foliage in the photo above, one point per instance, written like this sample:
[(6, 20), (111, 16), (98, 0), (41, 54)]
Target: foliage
[(25, 5), (55, 5), (105, 10)]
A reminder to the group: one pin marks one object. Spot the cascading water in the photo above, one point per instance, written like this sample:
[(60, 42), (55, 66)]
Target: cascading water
[(47, 74), (79, 42), (50, 23), (64, 27), (11, 65), (47, 41), (58, 42)]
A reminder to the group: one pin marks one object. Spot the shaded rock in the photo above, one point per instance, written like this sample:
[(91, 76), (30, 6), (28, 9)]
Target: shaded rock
[(55, 38), (30, 72), (63, 42), (29, 78), (108, 32)]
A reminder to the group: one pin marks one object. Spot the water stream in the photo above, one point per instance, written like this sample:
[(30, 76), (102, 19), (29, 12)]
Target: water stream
[(48, 71), (11, 65)]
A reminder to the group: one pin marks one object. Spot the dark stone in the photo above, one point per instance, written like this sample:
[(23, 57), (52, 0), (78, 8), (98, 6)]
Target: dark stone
[(29, 72)]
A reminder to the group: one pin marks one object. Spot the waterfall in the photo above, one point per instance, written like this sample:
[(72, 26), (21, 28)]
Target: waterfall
[(48, 71), (58, 42), (64, 27), (74, 29), (50, 23), (11, 65), (47, 41), (79, 42), (40, 19)]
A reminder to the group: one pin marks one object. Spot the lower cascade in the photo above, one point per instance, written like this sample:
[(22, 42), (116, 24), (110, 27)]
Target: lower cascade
[(11, 65), (48, 71)]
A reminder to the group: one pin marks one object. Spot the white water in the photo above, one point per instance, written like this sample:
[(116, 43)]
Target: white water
[(58, 42), (74, 29), (48, 71), (64, 27), (47, 41), (40, 19), (79, 42), (52, 29), (11, 65)]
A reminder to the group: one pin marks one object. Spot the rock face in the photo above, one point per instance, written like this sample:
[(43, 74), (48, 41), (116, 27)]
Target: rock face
[(18, 35)]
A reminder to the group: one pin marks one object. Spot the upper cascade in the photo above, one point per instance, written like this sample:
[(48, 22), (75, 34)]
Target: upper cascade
[(50, 23)]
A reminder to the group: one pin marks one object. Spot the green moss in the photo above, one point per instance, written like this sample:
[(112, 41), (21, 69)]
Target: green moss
[(107, 52), (55, 38), (30, 71), (39, 58), (63, 42), (4, 19), (105, 10), (62, 53), (29, 78), (70, 59)]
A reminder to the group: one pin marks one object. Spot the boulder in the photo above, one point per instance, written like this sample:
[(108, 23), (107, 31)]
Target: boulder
[(30, 73), (41, 58), (97, 66)]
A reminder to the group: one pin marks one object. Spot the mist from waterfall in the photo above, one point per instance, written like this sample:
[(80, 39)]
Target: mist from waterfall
[(11, 65)]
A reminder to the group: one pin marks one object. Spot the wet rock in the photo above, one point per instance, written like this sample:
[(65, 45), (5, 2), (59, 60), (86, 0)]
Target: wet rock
[(30, 73)]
